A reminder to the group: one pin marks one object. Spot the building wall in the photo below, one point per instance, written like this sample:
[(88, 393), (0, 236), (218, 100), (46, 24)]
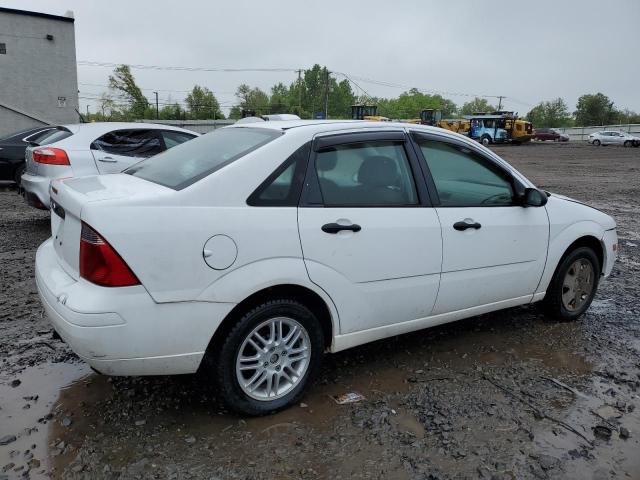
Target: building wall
[(35, 72)]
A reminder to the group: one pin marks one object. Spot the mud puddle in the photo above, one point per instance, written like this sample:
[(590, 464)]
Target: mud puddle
[(27, 412), (610, 423)]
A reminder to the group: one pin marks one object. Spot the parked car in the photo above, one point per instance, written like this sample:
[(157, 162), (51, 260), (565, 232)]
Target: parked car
[(12, 150), (543, 134), (92, 148), (250, 251), (613, 138)]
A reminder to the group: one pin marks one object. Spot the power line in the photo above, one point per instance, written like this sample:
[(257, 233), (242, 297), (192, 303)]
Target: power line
[(293, 70), (186, 69)]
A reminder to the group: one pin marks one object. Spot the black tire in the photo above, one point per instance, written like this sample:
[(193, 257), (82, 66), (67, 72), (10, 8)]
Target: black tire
[(485, 140), (596, 142), (552, 304), (223, 362), (17, 174), (628, 143)]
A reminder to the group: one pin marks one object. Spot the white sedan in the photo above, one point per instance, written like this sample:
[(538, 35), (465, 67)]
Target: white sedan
[(92, 148), (254, 249), (613, 138)]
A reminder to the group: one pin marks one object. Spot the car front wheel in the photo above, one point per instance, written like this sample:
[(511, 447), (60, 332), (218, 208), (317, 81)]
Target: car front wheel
[(269, 357), (628, 143), (573, 285), (596, 143)]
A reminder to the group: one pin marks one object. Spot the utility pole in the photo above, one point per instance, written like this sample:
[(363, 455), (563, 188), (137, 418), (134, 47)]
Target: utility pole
[(157, 109), (500, 102), (326, 94), (300, 92), (87, 110)]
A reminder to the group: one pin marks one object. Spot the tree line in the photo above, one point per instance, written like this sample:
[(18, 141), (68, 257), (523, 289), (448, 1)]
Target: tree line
[(317, 90)]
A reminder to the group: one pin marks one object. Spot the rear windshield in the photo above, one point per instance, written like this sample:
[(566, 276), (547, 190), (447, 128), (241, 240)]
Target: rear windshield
[(51, 136), (191, 161)]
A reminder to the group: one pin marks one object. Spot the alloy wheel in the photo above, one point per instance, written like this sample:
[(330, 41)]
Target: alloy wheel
[(578, 284), (273, 358)]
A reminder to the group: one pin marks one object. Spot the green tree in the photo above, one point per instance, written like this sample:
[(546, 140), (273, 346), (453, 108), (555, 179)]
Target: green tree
[(253, 99), (235, 112), (341, 97), (410, 104), (554, 113), (477, 105), (628, 116), (595, 109), (202, 104), (123, 81), (279, 101)]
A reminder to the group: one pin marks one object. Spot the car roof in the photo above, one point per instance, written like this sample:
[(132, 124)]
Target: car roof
[(322, 126), (104, 127)]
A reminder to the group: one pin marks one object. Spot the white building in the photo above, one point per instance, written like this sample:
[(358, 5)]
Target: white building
[(38, 74)]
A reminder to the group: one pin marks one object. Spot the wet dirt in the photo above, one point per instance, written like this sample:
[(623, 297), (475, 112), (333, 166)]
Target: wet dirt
[(505, 395)]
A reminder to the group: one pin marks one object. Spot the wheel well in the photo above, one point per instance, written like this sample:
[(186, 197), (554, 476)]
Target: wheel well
[(307, 297), (591, 242)]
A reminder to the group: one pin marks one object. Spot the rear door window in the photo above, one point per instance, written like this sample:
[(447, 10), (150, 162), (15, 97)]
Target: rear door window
[(191, 161), (368, 174), (130, 143)]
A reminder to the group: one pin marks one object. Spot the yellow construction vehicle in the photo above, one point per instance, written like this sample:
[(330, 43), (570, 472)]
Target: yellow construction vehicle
[(367, 112)]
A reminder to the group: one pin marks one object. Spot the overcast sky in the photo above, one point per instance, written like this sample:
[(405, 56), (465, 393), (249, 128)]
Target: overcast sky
[(527, 51)]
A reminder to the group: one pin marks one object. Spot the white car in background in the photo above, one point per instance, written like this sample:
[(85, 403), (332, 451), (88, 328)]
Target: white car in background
[(92, 148), (613, 138), (250, 251)]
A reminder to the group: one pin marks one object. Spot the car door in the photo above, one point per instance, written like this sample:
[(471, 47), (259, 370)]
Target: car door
[(605, 138), (494, 250), (368, 235), (119, 149)]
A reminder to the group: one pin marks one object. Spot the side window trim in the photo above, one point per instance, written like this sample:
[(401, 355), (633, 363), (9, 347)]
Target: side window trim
[(301, 158), (518, 187), (311, 193)]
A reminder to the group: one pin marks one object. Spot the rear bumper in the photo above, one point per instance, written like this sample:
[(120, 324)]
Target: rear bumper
[(122, 331), (36, 190)]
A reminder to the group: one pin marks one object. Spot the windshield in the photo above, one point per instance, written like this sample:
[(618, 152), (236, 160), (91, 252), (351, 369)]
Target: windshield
[(193, 160)]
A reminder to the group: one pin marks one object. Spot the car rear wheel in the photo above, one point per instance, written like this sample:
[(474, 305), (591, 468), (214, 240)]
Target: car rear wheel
[(485, 140), (573, 285), (269, 357), (17, 175), (628, 143), (596, 142)]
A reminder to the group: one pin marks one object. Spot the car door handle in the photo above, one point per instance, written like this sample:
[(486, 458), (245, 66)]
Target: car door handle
[(107, 160), (464, 225), (336, 227)]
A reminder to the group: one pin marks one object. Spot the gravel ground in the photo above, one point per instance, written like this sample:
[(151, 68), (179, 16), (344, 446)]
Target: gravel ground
[(502, 396)]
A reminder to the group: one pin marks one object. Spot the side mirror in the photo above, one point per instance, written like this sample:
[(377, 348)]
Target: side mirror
[(533, 198)]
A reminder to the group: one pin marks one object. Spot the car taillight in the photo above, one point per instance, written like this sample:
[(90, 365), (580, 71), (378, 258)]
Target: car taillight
[(50, 156), (100, 263)]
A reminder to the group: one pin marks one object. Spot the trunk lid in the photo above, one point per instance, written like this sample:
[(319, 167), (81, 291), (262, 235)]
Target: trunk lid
[(70, 196)]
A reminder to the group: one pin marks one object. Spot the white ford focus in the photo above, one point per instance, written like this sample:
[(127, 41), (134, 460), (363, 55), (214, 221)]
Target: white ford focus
[(252, 250)]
